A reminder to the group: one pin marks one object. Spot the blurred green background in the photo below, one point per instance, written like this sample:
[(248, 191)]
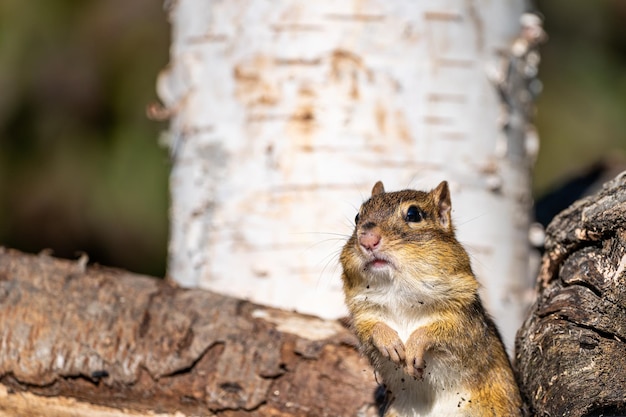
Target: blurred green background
[(581, 113), (80, 165), (80, 168)]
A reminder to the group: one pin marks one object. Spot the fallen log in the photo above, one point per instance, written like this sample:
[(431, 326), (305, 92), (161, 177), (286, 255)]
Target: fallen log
[(77, 340)]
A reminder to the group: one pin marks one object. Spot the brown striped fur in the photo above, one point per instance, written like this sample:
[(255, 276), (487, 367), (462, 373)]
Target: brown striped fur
[(414, 304)]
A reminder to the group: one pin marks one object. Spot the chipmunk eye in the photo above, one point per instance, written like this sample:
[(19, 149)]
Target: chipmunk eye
[(356, 218), (414, 214)]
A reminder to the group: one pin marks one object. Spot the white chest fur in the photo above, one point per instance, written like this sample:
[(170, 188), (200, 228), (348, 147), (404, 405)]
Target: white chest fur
[(437, 394), (403, 307), (406, 308)]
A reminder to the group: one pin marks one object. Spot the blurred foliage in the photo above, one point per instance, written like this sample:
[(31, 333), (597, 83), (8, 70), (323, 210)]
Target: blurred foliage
[(80, 169), (581, 111)]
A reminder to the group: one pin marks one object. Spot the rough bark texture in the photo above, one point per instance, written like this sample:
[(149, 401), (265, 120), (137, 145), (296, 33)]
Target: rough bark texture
[(132, 342), (571, 351)]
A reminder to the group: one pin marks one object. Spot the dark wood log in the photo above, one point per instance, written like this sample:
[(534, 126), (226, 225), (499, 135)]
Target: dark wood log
[(571, 350), (109, 337)]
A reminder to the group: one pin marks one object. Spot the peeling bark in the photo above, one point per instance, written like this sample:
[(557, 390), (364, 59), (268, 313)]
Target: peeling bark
[(571, 351), (132, 342)]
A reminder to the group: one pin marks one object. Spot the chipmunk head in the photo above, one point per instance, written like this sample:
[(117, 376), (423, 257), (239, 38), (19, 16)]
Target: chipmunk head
[(405, 232)]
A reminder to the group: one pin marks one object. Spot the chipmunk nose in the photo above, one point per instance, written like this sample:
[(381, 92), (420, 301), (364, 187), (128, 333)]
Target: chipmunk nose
[(369, 239)]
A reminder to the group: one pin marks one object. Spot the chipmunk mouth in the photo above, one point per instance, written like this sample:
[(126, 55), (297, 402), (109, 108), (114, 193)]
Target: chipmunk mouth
[(378, 263)]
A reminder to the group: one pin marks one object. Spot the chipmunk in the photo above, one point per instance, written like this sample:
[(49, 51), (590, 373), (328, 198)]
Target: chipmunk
[(414, 305)]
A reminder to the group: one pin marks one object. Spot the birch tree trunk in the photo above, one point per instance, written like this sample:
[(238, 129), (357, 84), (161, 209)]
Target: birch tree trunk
[(285, 113)]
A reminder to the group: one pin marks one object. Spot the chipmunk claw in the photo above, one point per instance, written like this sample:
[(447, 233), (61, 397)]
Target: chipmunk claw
[(395, 351), (415, 367)]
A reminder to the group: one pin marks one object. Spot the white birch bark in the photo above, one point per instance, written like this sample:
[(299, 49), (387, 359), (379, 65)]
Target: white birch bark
[(285, 113)]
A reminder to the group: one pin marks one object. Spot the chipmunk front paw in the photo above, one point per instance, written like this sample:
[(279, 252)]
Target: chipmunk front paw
[(388, 343), (415, 348)]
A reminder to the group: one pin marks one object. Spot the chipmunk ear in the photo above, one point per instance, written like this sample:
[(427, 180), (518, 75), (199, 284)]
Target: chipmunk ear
[(441, 195), (379, 188)]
